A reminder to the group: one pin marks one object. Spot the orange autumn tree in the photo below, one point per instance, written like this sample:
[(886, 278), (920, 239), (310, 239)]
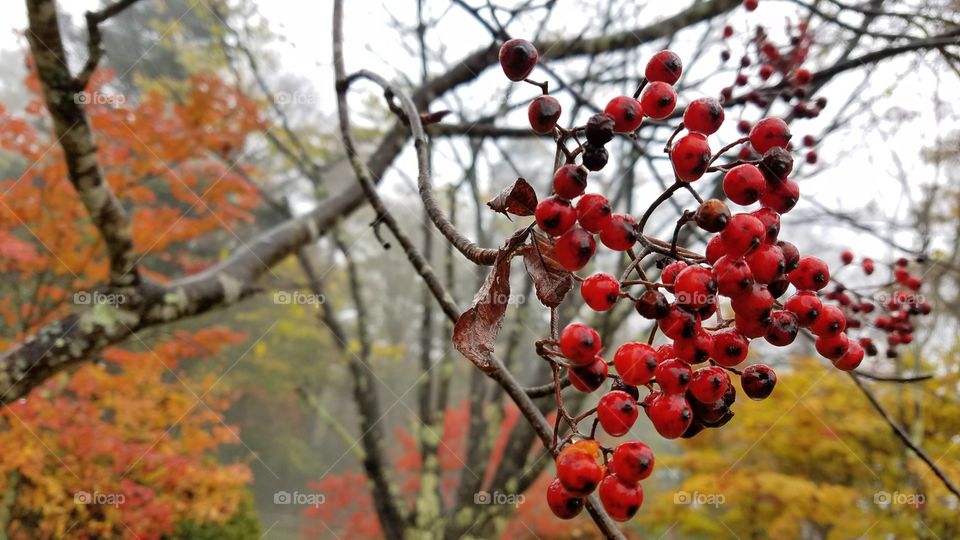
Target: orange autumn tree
[(125, 446)]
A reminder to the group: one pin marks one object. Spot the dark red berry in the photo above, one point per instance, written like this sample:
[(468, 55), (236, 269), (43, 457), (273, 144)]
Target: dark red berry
[(769, 132), (751, 5), (518, 58), (617, 411), (635, 362), (652, 304), (620, 499), (575, 248), (555, 215), (791, 255), (704, 115), (620, 233), (802, 77), (543, 114), (580, 344), (562, 503), (690, 156), (590, 377), (758, 381), (658, 100), (599, 129), (594, 158), (783, 329), (665, 66), (569, 181), (626, 113), (776, 164), (712, 215)]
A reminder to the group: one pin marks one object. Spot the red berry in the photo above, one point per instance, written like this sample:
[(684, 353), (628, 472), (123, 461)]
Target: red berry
[(709, 384), (783, 328), (830, 322), (742, 233), (781, 196), (620, 499), (809, 141), (575, 248), (543, 114), (579, 468), (771, 222), (730, 347), (679, 323), (744, 184), (846, 257), (752, 326), (690, 156), (791, 255), (751, 5), (767, 263), (694, 286), (658, 100), (665, 66), (652, 304), (620, 233), (811, 157), (811, 274), (569, 181), (696, 349), (727, 31), (758, 381), (673, 376), (669, 273), (635, 362), (617, 411), (555, 216), (593, 212), (517, 58), (562, 503), (833, 347), (600, 291), (632, 461), (766, 71), (805, 305), (850, 359), (802, 77), (733, 276), (580, 344), (704, 115), (670, 415), (754, 303), (590, 377), (769, 132), (714, 250), (867, 266), (626, 113)]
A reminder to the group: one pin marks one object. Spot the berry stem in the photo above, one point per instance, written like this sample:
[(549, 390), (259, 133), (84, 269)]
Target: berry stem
[(669, 146), (640, 87), (543, 86), (726, 149)]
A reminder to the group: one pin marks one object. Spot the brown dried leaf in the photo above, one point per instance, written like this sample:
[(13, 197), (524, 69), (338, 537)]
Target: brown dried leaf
[(520, 199), (551, 280), (476, 330)]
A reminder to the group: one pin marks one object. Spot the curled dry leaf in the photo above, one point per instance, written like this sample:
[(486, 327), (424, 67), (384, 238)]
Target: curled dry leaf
[(551, 280), (519, 199)]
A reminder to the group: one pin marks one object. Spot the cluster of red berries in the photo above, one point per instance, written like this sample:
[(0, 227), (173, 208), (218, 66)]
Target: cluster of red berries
[(688, 378)]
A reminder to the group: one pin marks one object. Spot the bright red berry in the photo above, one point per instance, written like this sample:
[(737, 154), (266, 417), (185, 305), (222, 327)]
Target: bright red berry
[(850, 359), (555, 215), (580, 344), (632, 461), (767, 263), (802, 77), (658, 100), (744, 184), (769, 132), (562, 503), (833, 347), (754, 303), (593, 212), (805, 305), (665, 66), (679, 323), (590, 377), (704, 115), (694, 286), (811, 274), (709, 384), (600, 291), (752, 326), (730, 347), (669, 273), (543, 114), (690, 156), (830, 322), (626, 113), (714, 250), (757, 381), (673, 376), (579, 468), (620, 499), (781, 196), (696, 349), (569, 181), (518, 58), (635, 362), (742, 234), (670, 415), (575, 248), (620, 233), (617, 411), (771, 222), (733, 276)]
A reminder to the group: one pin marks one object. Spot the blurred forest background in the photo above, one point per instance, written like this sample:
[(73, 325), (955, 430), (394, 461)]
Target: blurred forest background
[(330, 398)]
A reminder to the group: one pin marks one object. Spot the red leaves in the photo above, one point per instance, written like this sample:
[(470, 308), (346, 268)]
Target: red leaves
[(551, 280), (518, 199)]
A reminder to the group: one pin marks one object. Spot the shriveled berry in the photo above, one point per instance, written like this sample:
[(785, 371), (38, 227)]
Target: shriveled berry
[(635, 362), (704, 115), (626, 113), (594, 158), (665, 66), (570, 181), (730, 347), (709, 384), (652, 304), (620, 499), (658, 100), (712, 215), (758, 381), (543, 114), (744, 184), (599, 129), (555, 215), (776, 164), (580, 344), (562, 503), (600, 291), (620, 233), (632, 461), (593, 212), (517, 58), (617, 411), (575, 248), (690, 156), (670, 415), (768, 133)]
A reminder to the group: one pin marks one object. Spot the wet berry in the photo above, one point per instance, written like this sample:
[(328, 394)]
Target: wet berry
[(590, 377), (673, 376), (635, 362), (620, 233), (758, 381), (690, 156), (593, 212), (730, 347), (575, 248), (555, 215), (783, 328), (543, 114), (569, 181), (580, 344), (600, 291), (670, 415), (626, 113), (617, 411), (704, 115), (517, 58), (709, 384)]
